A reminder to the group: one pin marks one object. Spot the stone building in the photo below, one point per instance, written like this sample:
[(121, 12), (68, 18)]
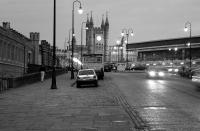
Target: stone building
[(46, 53), (97, 37), (115, 54), (17, 51)]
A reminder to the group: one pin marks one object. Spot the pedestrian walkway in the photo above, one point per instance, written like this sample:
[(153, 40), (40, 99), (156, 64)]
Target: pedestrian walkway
[(36, 107)]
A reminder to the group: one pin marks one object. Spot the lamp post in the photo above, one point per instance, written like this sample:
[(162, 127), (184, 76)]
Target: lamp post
[(53, 85), (127, 32), (73, 35), (82, 42), (118, 43), (115, 53), (69, 42), (188, 26)]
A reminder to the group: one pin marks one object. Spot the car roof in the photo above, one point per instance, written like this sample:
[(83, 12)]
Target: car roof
[(86, 69), (157, 68)]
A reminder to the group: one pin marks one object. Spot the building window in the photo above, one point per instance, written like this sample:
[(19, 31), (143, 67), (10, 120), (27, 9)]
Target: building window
[(1, 49), (29, 57), (4, 51), (15, 54), (12, 52), (8, 51)]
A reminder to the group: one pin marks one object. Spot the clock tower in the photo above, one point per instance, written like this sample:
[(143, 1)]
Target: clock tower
[(97, 37)]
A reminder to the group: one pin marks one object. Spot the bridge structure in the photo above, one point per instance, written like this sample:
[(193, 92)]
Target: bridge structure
[(167, 52)]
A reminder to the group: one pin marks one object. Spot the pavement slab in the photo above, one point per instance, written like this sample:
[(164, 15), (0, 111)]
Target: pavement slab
[(36, 107)]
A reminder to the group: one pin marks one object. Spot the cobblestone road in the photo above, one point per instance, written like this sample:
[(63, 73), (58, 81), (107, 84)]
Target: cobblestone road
[(36, 107)]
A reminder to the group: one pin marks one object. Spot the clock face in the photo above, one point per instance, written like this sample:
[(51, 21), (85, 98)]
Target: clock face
[(99, 38)]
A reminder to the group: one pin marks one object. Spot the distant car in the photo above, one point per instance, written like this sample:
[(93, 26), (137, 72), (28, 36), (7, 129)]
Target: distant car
[(174, 70), (86, 77), (156, 72), (196, 77), (107, 68)]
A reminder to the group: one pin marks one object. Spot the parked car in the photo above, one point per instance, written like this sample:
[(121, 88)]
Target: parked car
[(174, 70), (86, 77), (196, 77), (107, 67), (138, 67), (156, 72)]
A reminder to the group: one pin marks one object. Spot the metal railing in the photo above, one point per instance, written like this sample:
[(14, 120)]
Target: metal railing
[(14, 82), (4, 84)]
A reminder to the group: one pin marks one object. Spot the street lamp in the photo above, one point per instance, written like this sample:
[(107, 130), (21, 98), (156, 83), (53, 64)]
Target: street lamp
[(127, 32), (82, 42), (118, 45), (188, 26), (53, 85), (80, 11), (69, 42)]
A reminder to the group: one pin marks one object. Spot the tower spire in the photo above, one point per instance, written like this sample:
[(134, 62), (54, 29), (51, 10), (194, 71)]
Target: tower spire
[(87, 22), (91, 20), (107, 22), (102, 23)]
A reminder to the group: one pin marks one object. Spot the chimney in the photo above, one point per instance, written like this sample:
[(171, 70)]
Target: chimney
[(6, 25)]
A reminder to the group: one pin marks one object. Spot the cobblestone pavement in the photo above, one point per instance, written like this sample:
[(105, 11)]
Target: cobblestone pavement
[(38, 108)]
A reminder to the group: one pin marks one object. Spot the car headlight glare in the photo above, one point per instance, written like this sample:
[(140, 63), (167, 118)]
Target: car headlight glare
[(152, 73), (161, 73), (176, 70), (170, 70)]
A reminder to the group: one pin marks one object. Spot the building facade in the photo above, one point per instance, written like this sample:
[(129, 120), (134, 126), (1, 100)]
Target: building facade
[(16, 51), (46, 53), (176, 50), (115, 54), (97, 37)]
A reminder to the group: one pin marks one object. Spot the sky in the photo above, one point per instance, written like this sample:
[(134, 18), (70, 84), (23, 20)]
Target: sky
[(149, 19)]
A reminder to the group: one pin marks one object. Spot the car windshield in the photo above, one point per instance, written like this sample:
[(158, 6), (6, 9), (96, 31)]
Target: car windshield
[(86, 72), (157, 69)]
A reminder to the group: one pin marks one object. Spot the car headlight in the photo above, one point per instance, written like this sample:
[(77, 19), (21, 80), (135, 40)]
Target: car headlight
[(152, 73), (161, 73), (94, 77), (176, 70), (170, 70)]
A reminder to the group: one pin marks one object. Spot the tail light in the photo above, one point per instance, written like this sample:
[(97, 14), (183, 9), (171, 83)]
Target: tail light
[(94, 77), (78, 77)]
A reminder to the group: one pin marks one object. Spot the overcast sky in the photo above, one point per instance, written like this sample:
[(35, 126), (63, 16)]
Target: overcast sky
[(150, 19)]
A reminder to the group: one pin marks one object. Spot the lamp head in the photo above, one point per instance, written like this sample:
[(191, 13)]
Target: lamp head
[(186, 29), (132, 33), (122, 34), (80, 10), (118, 42)]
